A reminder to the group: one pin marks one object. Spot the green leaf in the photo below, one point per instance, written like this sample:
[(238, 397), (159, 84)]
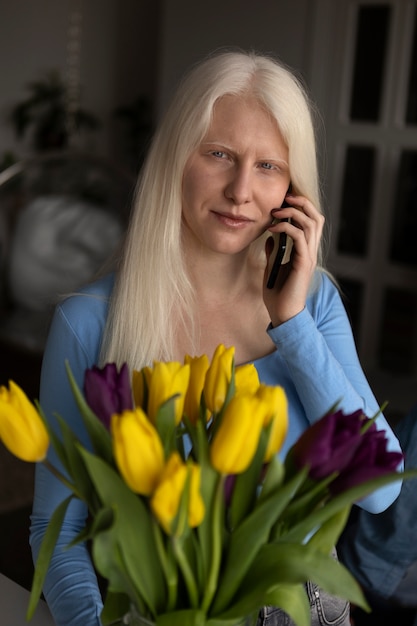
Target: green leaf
[(130, 539), (75, 465), (247, 539), (56, 442), (208, 493), (274, 477), (291, 563), (98, 433), (309, 497), (316, 518), (329, 532), (45, 554), (115, 606), (165, 424), (246, 484), (291, 598), (109, 562), (102, 520)]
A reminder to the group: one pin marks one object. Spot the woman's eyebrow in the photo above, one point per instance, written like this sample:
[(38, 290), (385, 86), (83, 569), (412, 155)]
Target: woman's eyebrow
[(222, 144)]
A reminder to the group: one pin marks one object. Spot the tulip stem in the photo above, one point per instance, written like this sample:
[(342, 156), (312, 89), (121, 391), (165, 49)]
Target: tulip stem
[(62, 478), (168, 568), (187, 572), (216, 547)]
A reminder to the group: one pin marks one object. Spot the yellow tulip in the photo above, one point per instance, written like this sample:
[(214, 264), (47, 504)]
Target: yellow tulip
[(277, 412), (198, 369), (166, 498), (21, 427), (236, 440), (246, 378), (218, 378), (167, 380), (138, 450)]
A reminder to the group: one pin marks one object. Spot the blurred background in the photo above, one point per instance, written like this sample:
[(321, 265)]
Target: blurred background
[(83, 83)]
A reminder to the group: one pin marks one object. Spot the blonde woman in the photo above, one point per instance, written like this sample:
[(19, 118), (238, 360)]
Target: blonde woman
[(237, 142)]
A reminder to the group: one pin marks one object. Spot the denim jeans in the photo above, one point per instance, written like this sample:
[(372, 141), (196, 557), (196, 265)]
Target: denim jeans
[(326, 610)]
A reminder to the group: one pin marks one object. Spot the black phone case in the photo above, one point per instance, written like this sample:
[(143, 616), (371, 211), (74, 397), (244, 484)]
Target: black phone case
[(279, 257)]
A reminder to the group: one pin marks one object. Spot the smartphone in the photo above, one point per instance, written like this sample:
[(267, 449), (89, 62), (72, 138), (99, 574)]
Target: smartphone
[(281, 254)]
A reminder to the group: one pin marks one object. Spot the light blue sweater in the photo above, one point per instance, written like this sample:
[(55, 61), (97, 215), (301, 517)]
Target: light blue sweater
[(315, 361)]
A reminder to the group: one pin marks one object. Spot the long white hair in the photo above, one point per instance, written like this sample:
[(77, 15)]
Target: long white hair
[(153, 297)]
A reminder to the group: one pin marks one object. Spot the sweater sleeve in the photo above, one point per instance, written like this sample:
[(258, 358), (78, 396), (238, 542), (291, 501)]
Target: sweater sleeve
[(71, 588), (318, 348)]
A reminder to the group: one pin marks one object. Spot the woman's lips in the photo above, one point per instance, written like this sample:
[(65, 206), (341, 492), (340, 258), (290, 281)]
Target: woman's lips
[(232, 221)]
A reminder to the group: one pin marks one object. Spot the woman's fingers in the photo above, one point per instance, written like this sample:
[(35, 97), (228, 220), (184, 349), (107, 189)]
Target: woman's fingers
[(306, 224), (305, 228)]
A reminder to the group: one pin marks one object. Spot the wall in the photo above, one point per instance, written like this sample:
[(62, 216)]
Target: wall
[(119, 51), (190, 30), (134, 47)]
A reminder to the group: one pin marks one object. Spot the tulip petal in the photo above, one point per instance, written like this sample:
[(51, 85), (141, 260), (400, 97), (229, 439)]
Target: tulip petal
[(218, 378), (108, 391), (329, 444), (371, 460), (235, 442), (138, 450), (166, 499), (198, 370), (21, 427), (277, 413), (246, 378), (168, 380), (341, 444)]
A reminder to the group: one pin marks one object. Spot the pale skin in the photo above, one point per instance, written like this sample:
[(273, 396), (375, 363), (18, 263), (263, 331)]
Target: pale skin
[(232, 184)]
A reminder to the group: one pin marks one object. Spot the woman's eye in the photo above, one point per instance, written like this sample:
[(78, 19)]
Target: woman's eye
[(267, 166), (219, 154)]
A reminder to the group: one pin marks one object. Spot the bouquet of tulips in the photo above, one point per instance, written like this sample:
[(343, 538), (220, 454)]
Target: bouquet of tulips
[(194, 519)]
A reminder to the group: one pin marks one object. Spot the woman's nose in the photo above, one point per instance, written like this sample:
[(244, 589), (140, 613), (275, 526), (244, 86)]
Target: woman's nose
[(239, 187)]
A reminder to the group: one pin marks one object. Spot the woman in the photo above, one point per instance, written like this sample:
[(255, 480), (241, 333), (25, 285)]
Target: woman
[(238, 136)]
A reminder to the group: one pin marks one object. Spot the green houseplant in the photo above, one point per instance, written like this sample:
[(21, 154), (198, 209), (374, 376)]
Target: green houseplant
[(45, 111)]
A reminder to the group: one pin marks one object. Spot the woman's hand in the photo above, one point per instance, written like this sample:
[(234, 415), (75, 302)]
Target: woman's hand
[(288, 296)]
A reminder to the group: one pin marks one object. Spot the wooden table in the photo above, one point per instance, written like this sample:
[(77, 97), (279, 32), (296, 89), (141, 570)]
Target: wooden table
[(14, 601)]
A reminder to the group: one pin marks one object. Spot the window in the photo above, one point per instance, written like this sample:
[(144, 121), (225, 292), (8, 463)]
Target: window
[(370, 109)]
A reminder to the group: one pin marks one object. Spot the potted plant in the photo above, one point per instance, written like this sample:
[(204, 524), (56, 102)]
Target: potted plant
[(46, 111)]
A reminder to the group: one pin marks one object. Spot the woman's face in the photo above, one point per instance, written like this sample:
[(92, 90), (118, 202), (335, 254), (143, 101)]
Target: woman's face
[(234, 179)]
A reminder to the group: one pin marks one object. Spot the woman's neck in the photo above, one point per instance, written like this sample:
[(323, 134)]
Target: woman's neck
[(223, 277), (229, 307)]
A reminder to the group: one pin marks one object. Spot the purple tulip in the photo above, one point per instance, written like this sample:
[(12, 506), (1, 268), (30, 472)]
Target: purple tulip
[(337, 443), (371, 459), (108, 391), (329, 444)]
